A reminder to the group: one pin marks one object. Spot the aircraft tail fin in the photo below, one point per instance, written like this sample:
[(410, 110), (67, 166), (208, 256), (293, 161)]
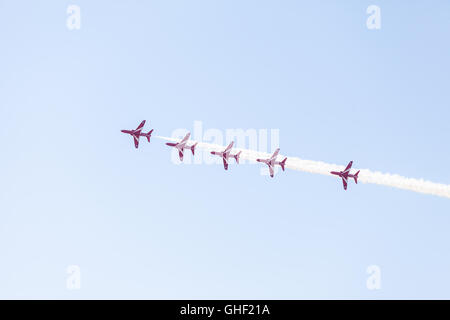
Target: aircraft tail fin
[(356, 177), (283, 163), (148, 135), (193, 148), (236, 156)]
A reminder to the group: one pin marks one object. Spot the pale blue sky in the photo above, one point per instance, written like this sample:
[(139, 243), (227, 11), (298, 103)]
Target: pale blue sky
[(74, 191)]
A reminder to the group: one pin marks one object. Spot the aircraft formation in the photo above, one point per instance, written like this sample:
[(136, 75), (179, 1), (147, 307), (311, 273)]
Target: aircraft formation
[(226, 154)]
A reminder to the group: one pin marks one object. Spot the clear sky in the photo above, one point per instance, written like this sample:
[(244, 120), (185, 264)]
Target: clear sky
[(74, 191)]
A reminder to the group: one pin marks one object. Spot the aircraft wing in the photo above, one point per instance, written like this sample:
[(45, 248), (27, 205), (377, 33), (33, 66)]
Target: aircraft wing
[(275, 154), (344, 181), (140, 126), (349, 166), (229, 146), (266, 161), (185, 139), (225, 163), (180, 154), (271, 171), (136, 141)]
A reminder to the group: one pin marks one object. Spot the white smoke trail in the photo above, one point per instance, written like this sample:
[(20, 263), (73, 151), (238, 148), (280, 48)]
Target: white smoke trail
[(319, 167)]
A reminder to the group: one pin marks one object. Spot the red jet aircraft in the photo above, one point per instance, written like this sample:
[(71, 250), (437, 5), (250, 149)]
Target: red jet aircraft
[(225, 154), (182, 145), (271, 162), (346, 174), (137, 133)]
